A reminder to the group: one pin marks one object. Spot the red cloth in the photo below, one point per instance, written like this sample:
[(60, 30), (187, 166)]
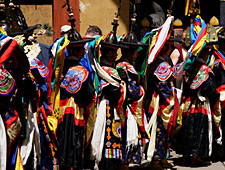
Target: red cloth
[(181, 58)]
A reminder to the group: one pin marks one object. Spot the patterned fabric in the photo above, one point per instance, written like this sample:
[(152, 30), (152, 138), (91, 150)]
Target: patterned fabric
[(42, 69), (74, 79), (7, 83), (126, 66), (193, 136), (113, 153), (132, 145), (112, 134), (175, 69), (161, 141), (165, 90), (134, 155), (112, 72), (163, 71), (13, 126), (167, 110), (201, 76)]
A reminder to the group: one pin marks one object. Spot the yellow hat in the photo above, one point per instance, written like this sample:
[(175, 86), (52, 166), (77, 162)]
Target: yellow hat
[(214, 21), (145, 22), (177, 23)]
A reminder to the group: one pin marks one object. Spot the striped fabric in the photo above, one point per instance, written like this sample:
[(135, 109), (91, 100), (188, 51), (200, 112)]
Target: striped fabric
[(113, 153)]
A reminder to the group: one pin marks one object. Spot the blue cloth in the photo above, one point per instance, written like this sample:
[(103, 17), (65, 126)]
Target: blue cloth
[(2, 36), (43, 55), (85, 62)]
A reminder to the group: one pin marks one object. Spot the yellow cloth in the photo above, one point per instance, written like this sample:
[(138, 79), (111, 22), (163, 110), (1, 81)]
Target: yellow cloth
[(55, 97), (3, 31), (19, 165)]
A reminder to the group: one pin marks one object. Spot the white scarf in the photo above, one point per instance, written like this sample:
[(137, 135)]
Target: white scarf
[(3, 145), (97, 142), (105, 75), (132, 130), (152, 125), (32, 140), (161, 39), (210, 133)]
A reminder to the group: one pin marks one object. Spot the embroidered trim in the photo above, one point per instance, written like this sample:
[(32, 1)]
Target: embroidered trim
[(74, 79), (7, 83), (175, 69), (112, 72), (127, 66), (201, 76), (113, 153), (42, 69), (116, 129), (163, 71)]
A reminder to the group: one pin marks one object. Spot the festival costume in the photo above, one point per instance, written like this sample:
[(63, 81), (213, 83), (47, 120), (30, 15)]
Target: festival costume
[(75, 90), (10, 121), (33, 103), (106, 141), (200, 107), (113, 98), (24, 148), (161, 103), (200, 103), (133, 109), (133, 129), (36, 105), (219, 70), (163, 112)]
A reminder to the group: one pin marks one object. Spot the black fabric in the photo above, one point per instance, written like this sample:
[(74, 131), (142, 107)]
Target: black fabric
[(70, 136), (109, 164), (112, 93), (169, 60), (193, 138), (70, 142), (209, 89), (219, 75), (84, 96), (88, 164), (46, 158), (69, 62), (149, 91)]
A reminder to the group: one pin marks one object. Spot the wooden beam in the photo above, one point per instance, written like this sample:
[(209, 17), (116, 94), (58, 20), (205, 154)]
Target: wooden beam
[(60, 15)]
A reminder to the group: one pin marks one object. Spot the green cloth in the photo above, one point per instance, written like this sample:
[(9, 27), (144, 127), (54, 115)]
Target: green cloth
[(140, 65)]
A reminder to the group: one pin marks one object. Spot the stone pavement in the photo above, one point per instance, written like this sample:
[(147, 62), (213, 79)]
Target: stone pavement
[(213, 166)]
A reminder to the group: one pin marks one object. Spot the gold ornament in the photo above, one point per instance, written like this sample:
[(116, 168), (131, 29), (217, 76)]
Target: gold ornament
[(214, 21), (177, 23)]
